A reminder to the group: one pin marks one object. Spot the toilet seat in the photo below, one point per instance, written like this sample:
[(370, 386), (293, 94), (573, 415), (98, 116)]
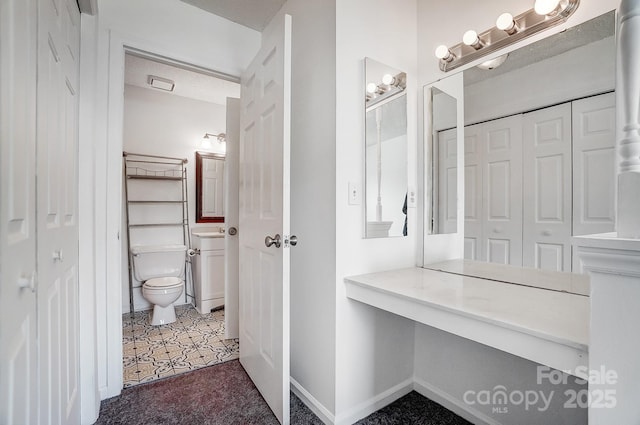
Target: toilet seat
[(163, 283)]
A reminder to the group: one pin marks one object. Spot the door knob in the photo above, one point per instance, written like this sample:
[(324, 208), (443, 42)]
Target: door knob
[(268, 241), (57, 256), (28, 282), (291, 240), (233, 231)]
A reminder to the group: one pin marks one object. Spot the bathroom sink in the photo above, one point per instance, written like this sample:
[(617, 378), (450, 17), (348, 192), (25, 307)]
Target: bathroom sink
[(208, 232)]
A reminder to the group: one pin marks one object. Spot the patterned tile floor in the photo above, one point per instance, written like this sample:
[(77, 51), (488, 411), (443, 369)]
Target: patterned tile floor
[(191, 342)]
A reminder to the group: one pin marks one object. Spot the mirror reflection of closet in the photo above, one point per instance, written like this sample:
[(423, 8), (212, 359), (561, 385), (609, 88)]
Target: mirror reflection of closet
[(385, 151), (540, 135), (444, 154), (209, 187)]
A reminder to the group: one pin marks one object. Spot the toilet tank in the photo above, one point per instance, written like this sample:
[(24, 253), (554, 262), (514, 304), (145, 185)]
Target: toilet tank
[(151, 261)]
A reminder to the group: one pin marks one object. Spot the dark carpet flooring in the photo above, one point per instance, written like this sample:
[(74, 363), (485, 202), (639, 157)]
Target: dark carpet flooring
[(224, 394)]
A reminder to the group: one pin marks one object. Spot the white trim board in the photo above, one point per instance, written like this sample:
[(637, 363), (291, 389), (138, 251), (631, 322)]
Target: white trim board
[(453, 404), (311, 402), (367, 407), (385, 398)]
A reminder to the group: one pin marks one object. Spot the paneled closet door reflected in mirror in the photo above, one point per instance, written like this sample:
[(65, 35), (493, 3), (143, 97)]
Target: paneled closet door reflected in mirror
[(385, 151), (443, 149)]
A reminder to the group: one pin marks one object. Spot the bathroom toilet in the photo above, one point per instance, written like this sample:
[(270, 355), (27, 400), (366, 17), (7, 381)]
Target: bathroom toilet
[(161, 269)]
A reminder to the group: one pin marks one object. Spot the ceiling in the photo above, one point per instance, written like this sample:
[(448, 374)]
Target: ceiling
[(188, 83), (254, 14)]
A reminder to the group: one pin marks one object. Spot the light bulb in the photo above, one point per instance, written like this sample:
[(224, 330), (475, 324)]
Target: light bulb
[(387, 79), (206, 143), (544, 7), (505, 22), (371, 88), (443, 52), (470, 38)]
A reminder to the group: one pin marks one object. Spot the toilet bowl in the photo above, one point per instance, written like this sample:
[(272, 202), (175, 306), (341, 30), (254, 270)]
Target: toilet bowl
[(162, 292), (161, 269)]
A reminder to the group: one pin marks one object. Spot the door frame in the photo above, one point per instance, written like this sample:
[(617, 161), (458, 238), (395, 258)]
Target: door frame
[(120, 44)]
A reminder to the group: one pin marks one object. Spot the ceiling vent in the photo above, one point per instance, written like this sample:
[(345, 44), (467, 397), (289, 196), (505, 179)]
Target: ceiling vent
[(160, 83)]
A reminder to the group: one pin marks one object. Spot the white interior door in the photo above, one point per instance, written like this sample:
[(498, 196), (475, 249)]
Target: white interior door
[(473, 217), (594, 174), (18, 356), (502, 190), (57, 192), (547, 188), (264, 212), (231, 192), (448, 181)]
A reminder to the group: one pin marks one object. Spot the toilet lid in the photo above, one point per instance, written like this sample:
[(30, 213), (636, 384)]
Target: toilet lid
[(163, 282)]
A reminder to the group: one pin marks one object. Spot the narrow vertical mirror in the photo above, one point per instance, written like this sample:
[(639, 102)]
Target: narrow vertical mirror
[(444, 157), (209, 187), (385, 151)]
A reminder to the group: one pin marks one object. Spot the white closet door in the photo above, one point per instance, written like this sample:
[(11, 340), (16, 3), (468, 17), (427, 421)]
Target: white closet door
[(57, 193), (502, 190), (594, 176), (18, 360), (547, 188), (473, 217), (447, 181)]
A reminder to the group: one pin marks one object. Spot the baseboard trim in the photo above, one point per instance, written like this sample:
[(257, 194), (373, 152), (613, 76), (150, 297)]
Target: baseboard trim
[(456, 406), (311, 402), (377, 402)]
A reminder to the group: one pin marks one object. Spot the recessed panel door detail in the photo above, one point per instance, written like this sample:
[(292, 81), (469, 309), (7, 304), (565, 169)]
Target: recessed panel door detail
[(547, 188), (594, 174), (264, 212), (502, 190), (447, 181), (473, 217)]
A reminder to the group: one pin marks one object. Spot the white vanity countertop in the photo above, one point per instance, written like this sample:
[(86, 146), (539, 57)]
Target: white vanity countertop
[(549, 327)]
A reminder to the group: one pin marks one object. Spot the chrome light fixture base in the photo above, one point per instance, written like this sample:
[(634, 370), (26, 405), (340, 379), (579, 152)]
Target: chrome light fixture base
[(494, 39)]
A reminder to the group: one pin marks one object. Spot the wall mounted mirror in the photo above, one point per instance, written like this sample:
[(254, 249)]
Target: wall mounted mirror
[(385, 151), (209, 187), (539, 137)]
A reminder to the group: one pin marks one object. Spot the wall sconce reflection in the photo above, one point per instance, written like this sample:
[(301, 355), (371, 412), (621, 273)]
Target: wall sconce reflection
[(388, 86)]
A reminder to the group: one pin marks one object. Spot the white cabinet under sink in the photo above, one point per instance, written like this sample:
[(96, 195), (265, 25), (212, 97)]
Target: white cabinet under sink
[(209, 270)]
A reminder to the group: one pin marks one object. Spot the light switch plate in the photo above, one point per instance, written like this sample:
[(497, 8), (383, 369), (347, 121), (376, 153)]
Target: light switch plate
[(411, 198), (355, 197)]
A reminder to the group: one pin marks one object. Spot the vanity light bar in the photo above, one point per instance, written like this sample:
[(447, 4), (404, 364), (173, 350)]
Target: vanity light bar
[(503, 34), (389, 87)]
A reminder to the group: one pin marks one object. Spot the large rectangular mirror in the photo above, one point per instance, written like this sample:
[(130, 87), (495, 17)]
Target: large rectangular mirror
[(209, 187), (539, 135), (385, 151)]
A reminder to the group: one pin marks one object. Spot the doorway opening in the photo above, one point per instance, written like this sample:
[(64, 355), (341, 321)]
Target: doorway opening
[(169, 108)]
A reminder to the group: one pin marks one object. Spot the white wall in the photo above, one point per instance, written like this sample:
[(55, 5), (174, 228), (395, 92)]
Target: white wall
[(158, 123), (393, 187), (374, 349), (313, 130), (169, 28), (448, 366), (444, 23)]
